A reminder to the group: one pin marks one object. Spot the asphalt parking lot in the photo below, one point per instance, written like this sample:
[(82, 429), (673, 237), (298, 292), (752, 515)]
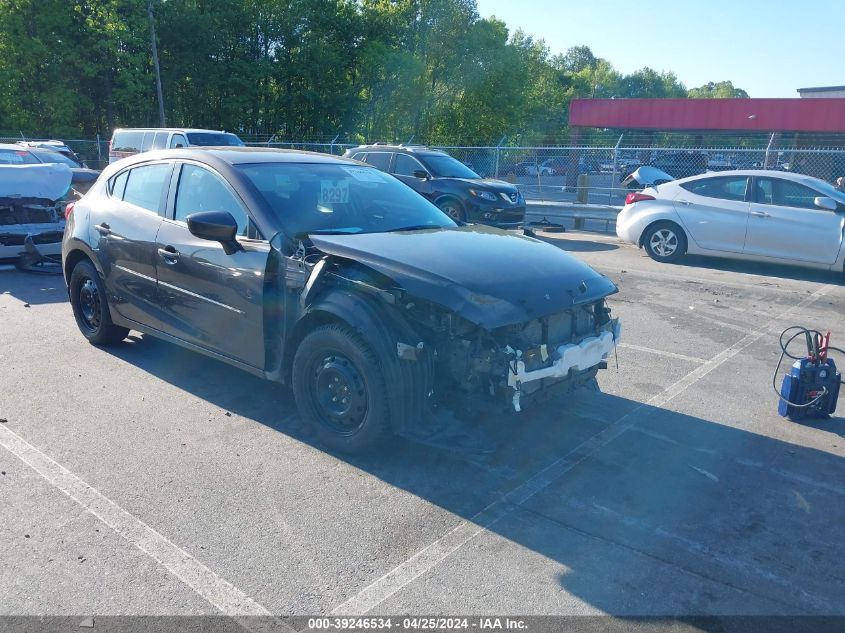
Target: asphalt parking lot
[(149, 480)]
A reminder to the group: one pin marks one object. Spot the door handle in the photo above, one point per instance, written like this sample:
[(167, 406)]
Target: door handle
[(685, 202), (169, 254), (103, 229), (761, 214)]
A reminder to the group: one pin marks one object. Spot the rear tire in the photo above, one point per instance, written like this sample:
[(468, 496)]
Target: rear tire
[(665, 242), (90, 306), (340, 389)]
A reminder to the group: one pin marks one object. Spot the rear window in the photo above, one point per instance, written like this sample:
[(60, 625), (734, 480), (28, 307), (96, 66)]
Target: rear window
[(160, 140), (724, 188), (145, 186), (47, 156), (380, 160), (212, 139), (17, 157), (127, 141), (118, 184)]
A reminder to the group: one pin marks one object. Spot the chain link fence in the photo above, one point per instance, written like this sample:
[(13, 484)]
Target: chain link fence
[(597, 174), (585, 174)]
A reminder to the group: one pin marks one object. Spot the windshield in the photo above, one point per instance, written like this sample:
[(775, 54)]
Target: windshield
[(335, 198), (213, 139), (447, 167), (17, 157), (46, 156)]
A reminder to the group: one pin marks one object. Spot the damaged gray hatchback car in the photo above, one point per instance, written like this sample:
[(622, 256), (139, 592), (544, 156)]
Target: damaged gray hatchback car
[(333, 276)]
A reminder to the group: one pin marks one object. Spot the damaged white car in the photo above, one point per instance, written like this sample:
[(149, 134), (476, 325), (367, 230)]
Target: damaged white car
[(31, 208)]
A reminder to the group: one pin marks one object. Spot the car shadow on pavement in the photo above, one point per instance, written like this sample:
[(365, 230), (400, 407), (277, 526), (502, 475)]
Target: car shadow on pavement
[(32, 288), (779, 271), (630, 508)]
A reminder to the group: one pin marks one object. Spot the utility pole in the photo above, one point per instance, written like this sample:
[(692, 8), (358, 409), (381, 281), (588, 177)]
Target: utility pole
[(162, 122)]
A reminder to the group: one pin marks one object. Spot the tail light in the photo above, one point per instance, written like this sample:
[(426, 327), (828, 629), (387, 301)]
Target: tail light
[(636, 196), (69, 210)]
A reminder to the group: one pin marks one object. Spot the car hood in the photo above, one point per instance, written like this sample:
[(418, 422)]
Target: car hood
[(485, 275), (487, 183)]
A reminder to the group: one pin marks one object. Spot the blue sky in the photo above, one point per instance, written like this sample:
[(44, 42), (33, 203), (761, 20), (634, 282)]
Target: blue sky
[(769, 48)]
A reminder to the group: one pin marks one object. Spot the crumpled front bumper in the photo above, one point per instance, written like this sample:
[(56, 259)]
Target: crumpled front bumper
[(585, 354)]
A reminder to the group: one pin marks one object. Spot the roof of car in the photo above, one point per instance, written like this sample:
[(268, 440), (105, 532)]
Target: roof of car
[(240, 155), (14, 146), (414, 149), (168, 129), (787, 175)]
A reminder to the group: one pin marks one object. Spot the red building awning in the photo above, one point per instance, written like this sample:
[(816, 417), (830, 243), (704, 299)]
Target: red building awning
[(763, 115)]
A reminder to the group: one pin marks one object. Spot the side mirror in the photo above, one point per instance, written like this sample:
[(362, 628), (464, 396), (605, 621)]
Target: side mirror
[(422, 175), (215, 226), (178, 145), (823, 202)]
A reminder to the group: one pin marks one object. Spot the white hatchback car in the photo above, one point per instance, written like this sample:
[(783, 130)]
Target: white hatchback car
[(749, 214)]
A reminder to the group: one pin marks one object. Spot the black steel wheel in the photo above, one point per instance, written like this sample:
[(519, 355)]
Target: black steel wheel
[(90, 307), (340, 388)]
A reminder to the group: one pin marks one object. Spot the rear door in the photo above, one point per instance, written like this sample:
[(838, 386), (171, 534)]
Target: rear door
[(123, 232), (786, 224), (715, 211), (209, 298)]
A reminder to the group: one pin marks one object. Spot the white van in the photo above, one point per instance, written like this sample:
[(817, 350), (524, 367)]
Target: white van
[(129, 141)]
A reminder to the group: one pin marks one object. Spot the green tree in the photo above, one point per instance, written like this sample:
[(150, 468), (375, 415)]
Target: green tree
[(717, 90), (648, 83), (577, 59)]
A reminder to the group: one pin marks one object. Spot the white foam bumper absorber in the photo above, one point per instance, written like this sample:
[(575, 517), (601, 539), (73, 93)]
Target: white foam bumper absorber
[(588, 353)]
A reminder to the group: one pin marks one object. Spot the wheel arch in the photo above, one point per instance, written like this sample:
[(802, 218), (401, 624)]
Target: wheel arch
[(77, 251), (449, 196), (381, 330), (657, 220)]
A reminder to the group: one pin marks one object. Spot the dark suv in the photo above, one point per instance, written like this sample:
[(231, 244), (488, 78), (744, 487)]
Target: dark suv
[(458, 191)]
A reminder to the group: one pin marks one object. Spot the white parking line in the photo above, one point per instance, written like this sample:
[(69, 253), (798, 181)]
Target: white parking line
[(219, 592), (405, 573), (660, 352)]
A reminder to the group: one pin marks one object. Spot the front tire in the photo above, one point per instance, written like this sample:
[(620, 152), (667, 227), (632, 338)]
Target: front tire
[(91, 308), (453, 209), (665, 242), (340, 389)]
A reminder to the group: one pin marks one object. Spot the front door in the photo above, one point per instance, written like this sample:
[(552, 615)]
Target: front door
[(124, 236), (209, 298), (715, 212), (404, 167), (786, 223)]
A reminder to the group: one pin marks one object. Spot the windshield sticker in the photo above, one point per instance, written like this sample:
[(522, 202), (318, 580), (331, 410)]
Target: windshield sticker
[(365, 174), (334, 191)]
